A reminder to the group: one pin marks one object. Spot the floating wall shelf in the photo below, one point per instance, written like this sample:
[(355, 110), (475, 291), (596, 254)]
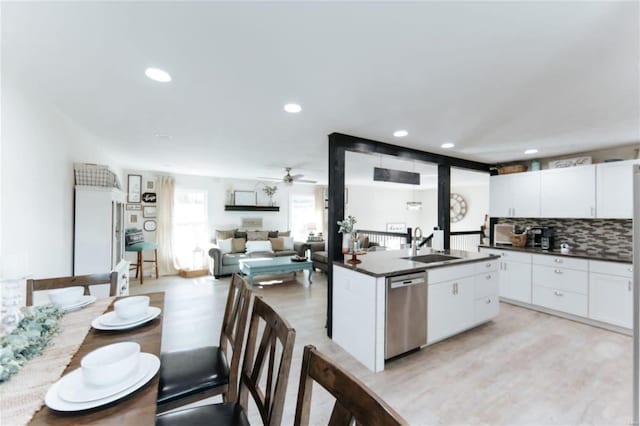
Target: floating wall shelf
[(252, 208)]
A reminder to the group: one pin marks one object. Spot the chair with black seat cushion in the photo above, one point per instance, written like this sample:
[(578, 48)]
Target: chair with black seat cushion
[(86, 281), (194, 374), (277, 338), (355, 402)]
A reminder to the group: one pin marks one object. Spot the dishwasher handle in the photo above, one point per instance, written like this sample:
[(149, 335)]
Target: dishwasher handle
[(399, 283)]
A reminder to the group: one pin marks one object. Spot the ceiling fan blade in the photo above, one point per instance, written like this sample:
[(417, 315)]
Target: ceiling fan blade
[(272, 179), (306, 181), (296, 177)]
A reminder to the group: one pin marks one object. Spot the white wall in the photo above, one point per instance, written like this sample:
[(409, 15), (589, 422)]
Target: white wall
[(39, 147)]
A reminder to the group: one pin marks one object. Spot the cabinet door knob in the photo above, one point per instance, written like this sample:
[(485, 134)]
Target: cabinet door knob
[(558, 293), (630, 269), (592, 211), (557, 271), (629, 285), (488, 265), (557, 260), (488, 277), (488, 301)]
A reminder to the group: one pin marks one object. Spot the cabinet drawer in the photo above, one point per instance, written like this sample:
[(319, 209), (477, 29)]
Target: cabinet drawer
[(486, 308), (611, 268), (560, 300), (488, 265), (560, 261), (487, 284), (449, 273), (561, 278), (514, 256)]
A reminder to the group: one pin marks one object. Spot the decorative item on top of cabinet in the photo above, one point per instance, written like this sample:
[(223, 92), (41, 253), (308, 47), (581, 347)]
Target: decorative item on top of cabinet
[(569, 162)]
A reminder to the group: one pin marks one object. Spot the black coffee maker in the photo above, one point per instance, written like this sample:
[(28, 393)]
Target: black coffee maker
[(547, 238)]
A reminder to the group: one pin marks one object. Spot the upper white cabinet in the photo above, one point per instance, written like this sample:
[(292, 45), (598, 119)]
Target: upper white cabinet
[(515, 195), (614, 189), (568, 192)]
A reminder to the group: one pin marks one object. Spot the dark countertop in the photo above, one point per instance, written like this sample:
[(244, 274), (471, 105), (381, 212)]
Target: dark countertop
[(388, 263), (580, 254)]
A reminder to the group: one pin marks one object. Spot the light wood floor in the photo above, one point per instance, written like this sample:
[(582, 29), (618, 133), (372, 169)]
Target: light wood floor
[(524, 368)]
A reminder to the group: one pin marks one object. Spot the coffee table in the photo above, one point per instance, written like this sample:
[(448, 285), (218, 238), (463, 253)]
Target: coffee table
[(273, 265)]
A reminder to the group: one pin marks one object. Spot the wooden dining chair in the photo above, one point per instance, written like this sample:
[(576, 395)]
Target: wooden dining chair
[(79, 280), (355, 402), (191, 375), (277, 336)]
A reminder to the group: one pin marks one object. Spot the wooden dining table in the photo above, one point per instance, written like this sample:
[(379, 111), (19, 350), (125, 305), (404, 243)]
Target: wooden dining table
[(138, 408)]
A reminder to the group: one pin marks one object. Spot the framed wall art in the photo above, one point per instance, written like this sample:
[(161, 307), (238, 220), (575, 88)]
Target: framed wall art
[(133, 218), (245, 198), (149, 225), (396, 227), (134, 187), (149, 197), (149, 211), (134, 207), (150, 185)]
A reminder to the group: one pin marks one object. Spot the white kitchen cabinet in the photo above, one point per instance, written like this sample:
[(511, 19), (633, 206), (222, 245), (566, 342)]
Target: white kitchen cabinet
[(514, 274), (611, 296), (515, 195), (451, 307), (614, 189), (568, 192)]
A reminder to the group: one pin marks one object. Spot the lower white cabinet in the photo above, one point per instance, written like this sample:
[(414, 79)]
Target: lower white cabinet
[(515, 281), (461, 297), (611, 299), (560, 300), (450, 308)]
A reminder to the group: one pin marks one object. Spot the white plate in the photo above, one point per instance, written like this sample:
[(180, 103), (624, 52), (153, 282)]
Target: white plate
[(148, 361), (153, 312), (111, 319), (84, 301), (73, 389)]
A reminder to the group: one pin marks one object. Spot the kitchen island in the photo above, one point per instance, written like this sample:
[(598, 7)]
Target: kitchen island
[(391, 301)]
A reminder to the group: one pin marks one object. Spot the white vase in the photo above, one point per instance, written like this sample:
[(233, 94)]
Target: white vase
[(346, 242)]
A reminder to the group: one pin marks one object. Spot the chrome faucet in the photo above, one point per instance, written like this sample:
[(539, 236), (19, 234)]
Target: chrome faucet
[(417, 236)]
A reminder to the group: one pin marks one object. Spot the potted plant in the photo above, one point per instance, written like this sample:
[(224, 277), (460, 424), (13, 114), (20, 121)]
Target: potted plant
[(348, 231), (270, 191)]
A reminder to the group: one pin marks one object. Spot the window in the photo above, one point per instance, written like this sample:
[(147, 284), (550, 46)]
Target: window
[(191, 228), (303, 216)]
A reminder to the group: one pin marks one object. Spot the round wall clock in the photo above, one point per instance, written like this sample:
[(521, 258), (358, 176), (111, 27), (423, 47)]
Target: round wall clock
[(458, 208)]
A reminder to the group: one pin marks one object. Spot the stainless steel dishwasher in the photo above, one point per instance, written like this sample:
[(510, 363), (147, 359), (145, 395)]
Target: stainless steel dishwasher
[(406, 314)]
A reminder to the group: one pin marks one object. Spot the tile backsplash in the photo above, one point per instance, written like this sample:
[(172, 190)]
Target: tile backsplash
[(611, 236)]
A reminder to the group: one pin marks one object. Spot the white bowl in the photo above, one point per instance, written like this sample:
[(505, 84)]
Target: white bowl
[(110, 364), (132, 307), (66, 296)]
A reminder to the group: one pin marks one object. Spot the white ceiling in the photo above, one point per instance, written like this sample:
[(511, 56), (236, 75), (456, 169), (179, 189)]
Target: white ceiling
[(495, 78)]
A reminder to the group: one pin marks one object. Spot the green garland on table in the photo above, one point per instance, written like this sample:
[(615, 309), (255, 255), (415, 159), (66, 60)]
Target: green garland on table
[(29, 338)]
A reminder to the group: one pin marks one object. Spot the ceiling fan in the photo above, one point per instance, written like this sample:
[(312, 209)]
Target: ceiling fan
[(288, 178)]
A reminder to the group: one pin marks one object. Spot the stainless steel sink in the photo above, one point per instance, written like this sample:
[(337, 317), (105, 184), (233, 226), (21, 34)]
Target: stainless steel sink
[(431, 258)]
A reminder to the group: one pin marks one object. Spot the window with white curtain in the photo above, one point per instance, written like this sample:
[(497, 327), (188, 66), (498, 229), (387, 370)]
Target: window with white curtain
[(191, 228), (303, 216)]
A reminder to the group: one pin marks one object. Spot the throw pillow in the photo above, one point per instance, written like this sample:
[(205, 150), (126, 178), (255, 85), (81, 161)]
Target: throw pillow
[(225, 245), (240, 234), (277, 244), (223, 235), (364, 241), (273, 234), (287, 243), (238, 245), (284, 233), (254, 246), (257, 235)]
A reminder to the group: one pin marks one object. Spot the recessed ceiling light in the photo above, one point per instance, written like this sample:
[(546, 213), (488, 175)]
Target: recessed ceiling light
[(531, 151), (293, 108), (447, 145), (157, 74), (400, 133)]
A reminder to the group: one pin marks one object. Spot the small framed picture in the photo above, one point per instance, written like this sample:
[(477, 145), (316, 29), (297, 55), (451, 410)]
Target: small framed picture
[(134, 188), (149, 211), (149, 225), (149, 197), (150, 185), (397, 227), (245, 198), (133, 218), (134, 207)]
